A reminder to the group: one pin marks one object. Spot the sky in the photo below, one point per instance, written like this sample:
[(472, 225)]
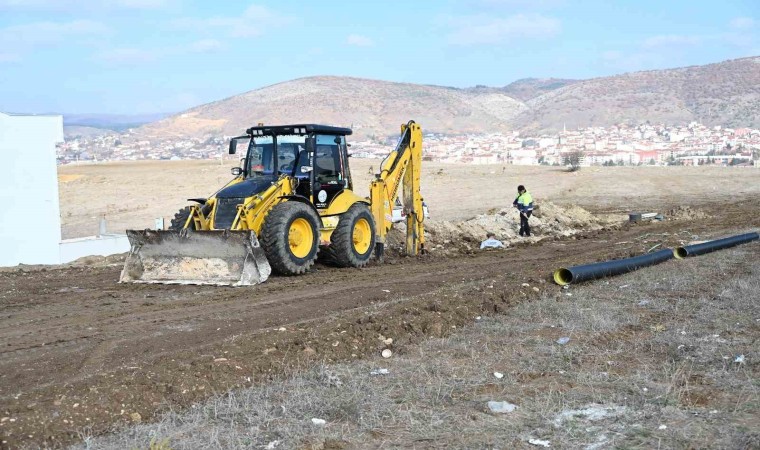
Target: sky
[(160, 56)]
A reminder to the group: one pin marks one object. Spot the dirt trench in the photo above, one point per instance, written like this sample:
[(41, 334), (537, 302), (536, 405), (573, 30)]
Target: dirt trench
[(80, 353)]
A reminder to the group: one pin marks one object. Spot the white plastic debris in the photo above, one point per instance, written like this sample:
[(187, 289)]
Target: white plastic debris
[(282, 329), (272, 445), (478, 318), (525, 285), (318, 422), (739, 359), (568, 294), (498, 375), (539, 443), (662, 427), (591, 413), (563, 340), (386, 353), (501, 407), (380, 372), (386, 291)]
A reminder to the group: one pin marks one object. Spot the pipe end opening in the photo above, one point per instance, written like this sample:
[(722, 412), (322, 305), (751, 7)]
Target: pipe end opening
[(563, 277), (680, 253)]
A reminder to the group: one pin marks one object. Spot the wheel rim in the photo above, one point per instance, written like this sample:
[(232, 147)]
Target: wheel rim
[(362, 236), (300, 238)]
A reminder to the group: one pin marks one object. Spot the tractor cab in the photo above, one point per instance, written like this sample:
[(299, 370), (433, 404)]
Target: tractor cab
[(315, 155)]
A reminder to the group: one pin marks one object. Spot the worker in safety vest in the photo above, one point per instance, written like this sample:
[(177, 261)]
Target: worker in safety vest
[(524, 203)]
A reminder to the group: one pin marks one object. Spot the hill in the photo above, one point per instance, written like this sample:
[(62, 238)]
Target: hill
[(74, 131), (528, 88), (110, 122), (373, 108), (726, 93)]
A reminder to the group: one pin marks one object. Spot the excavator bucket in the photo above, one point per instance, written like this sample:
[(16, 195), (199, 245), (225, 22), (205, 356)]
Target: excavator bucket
[(222, 258)]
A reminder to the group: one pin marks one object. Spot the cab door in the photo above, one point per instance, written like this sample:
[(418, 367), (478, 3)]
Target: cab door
[(329, 169)]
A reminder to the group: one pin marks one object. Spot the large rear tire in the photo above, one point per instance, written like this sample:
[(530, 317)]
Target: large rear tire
[(290, 237), (179, 220), (353, 240)]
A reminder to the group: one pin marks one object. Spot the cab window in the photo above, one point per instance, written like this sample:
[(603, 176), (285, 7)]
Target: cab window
[(289, 147), (327, 160), (260, 153)]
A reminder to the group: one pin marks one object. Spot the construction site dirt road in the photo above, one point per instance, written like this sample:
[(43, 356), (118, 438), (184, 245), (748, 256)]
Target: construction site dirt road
[(81, 354)]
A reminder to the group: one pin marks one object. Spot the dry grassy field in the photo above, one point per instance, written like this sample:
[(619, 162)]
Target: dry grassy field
[(132, 194)]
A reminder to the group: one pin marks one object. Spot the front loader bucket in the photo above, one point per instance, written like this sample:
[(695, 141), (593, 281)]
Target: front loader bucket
[(222, 258)]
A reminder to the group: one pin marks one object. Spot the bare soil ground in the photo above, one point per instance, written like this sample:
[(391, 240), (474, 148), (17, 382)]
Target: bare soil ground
[(661, 358), (82, 354), (133, 194)]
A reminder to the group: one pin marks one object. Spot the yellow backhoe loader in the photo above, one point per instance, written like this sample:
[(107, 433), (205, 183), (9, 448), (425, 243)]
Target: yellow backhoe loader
[(292, 198)]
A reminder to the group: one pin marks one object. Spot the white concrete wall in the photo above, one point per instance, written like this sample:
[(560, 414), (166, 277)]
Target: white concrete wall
[(109, 244), (30, 220)]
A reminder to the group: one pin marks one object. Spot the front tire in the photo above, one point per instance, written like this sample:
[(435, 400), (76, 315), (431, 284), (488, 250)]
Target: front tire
[(290, 237), (353, 240), (180, 219)]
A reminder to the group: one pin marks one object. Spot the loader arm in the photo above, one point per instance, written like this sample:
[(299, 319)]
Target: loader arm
[(400, 168)]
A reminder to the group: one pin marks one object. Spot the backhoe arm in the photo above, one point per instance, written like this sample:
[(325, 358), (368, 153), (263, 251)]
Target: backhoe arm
[(400, 168)]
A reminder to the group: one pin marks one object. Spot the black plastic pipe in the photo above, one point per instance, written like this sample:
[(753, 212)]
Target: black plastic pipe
[(711, 246), (576, 274)]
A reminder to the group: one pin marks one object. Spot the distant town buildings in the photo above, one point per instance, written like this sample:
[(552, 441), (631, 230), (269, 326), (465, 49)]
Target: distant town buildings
[(646, 144)]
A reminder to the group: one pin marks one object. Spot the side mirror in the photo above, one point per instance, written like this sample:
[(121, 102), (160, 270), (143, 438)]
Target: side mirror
[(233, 146), (337, 140), (236, 171)]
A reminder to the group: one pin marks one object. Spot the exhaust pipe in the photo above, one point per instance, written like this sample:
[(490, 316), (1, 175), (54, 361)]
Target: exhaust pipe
[(576, 274), (711, 246)]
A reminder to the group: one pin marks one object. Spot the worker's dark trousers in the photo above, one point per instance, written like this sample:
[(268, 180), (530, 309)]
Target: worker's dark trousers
[(524, 225)]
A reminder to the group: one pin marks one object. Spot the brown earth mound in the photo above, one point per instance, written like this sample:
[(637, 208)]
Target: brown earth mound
[(686, 213), (548, 220)]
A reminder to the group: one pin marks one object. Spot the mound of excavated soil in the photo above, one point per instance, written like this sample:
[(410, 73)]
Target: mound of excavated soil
[(549, 220), (686, 213)]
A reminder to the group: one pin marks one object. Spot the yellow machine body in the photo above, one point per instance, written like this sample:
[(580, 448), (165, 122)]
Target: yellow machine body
[(288, 219)]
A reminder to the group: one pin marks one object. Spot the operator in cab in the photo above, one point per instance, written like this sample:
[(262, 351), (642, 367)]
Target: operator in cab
[(524, 204)]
